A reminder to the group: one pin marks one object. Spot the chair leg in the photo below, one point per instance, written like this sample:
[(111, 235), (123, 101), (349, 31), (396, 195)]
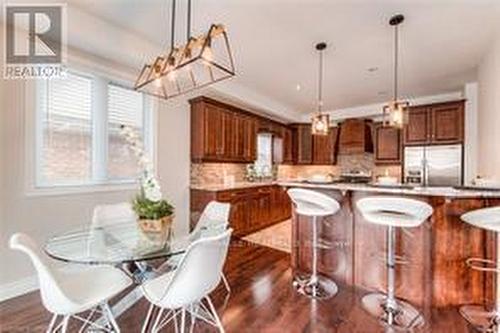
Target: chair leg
[(226, 283), (52, 322), (216, 316), (157, 321), (111, 318), (65, 324), (146, 320), (183, 319), (193, 311)]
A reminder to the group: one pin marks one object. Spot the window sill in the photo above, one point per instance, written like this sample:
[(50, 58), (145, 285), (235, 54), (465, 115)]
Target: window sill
[(81, 189)]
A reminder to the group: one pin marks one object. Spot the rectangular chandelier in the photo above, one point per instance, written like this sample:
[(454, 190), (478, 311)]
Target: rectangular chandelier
[(204, 60)]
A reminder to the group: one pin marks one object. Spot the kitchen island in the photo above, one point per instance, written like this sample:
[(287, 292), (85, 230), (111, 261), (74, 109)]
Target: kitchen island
[(433, 271)]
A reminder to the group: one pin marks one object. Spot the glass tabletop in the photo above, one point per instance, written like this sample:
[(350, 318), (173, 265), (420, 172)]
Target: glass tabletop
[(114, 244)]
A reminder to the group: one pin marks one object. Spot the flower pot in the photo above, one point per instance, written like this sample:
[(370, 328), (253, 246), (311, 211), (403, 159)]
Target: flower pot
[(158, 230)]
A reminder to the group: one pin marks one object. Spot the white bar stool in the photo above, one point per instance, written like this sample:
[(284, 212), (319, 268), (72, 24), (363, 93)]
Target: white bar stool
[(314, 204), (480, 317), (393, 212)]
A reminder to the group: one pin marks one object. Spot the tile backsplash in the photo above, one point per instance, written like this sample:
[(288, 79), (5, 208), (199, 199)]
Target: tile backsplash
[(222, 173), (217, 173)]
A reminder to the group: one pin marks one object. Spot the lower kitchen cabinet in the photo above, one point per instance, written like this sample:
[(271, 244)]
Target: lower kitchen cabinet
[(252, 208)]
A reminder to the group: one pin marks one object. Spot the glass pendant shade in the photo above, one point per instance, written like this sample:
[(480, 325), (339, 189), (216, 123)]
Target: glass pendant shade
[(396, 114), (203, 60), (320, 124)]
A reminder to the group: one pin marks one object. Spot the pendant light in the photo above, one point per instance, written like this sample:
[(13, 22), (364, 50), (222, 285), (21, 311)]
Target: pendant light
[(320, 121), (395, 112), (201, 61)]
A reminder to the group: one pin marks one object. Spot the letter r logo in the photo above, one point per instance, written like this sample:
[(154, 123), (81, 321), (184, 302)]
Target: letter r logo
[(33, 34)]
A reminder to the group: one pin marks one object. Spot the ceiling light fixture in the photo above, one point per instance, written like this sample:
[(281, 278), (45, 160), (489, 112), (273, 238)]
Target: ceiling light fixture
[(202, 61), (395, 112), (320, 121)]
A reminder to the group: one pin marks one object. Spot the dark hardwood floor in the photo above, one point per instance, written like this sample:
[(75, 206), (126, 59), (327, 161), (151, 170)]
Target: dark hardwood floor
[(262, 300)]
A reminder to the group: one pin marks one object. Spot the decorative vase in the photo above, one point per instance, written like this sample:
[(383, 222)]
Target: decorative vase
[(159, 230)]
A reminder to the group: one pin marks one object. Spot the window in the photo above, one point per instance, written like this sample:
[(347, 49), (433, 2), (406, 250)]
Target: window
[(124, 108), (78, 131), (66, 126), (264, 162)]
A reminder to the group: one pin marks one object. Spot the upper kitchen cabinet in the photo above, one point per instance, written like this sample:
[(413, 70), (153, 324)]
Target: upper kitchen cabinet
[(418, 128), (287, 146), (221, 133), (441, 123), (355, 137), (313, 149), (447, 122), (325, 147), (388, 144), (302, 143)]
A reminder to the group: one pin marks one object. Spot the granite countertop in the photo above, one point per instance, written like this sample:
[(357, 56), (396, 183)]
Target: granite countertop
[(232, 186), (448, 192)]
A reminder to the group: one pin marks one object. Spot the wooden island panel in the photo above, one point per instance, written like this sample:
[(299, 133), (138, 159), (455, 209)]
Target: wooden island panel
[(435, 273)]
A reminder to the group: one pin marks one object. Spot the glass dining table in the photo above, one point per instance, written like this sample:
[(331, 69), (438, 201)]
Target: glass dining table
[(123, 245), (116, 244)]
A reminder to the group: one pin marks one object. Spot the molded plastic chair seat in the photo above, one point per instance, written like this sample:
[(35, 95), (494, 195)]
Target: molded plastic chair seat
[(394, 211), (87, 288), (70, 293), (486, 218), (480, 317), (314, 204), (183, 290)]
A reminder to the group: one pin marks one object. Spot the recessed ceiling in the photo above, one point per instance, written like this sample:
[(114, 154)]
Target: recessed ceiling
[(441, 43)]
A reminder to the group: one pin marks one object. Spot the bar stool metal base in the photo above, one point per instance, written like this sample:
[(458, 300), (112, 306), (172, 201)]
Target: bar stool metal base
[(405, 316), (317, 288), (480, 318)]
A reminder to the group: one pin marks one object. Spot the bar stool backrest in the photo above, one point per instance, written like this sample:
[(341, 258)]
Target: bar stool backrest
[(312, 203), (394, 211)]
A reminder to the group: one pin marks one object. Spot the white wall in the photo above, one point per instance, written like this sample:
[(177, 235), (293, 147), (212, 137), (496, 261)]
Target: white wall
[(174, 157), (489, 113), (43, 216)]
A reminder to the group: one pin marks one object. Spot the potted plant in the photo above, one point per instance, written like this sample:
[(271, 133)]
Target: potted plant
[(155, 213)]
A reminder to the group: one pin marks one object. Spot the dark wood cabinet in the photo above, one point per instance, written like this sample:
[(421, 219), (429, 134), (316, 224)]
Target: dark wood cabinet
[(325, 147), (441, 123), (388, 144), (287, 146), (302, 143), (221, 133), (418, 129), (447, 124), (355, 137), (252, 208)]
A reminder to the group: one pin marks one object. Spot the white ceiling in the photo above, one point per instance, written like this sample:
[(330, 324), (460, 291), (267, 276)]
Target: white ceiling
[(442, 42)]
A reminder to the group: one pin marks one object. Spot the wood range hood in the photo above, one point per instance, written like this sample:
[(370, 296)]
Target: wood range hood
[(355, 136)]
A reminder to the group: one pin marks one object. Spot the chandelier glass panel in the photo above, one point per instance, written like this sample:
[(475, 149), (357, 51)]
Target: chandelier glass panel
[(203, 60)]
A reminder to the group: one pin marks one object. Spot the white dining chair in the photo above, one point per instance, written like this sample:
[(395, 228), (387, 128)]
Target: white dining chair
[(213, 220), (113, 214), (68, 294), (109, 216), (183, 290)]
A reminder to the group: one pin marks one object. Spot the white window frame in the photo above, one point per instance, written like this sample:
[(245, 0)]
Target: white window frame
[(100, 140)]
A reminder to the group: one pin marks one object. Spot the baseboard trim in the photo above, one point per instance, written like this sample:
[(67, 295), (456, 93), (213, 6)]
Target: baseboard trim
[(18, 288)]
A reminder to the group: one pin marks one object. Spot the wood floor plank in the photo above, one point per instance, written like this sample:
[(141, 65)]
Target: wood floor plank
[(262, 300)]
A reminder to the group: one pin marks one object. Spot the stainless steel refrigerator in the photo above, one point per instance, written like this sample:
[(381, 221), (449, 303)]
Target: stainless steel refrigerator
[(434, 165)]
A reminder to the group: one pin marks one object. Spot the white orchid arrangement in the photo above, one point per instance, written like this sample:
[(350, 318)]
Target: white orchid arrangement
[(149, 203)]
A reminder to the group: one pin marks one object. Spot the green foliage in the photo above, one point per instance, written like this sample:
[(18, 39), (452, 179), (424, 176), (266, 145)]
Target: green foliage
[(147, 209)]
